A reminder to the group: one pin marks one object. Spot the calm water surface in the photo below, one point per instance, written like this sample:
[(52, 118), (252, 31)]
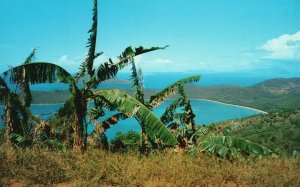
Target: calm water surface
[(206, 112)]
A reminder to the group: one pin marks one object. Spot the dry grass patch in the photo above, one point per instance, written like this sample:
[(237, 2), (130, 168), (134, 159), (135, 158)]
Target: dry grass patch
[(98, 168)]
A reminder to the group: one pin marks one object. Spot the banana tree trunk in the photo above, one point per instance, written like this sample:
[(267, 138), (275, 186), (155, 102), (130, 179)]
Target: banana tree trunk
[(79, 139), (8, 130), (11, 119), (144, 148), (80, 106)]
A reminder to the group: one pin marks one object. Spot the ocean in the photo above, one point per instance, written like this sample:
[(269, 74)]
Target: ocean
[(206, 112)]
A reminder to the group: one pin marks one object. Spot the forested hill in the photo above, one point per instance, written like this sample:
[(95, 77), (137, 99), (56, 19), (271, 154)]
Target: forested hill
[(268, 95), (279, 86)]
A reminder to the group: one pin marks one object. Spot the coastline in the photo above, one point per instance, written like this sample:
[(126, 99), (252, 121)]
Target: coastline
[(240, 106)]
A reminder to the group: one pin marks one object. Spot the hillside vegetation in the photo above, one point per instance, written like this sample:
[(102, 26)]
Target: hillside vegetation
[(27, 167), (268, 95), (279, 130)]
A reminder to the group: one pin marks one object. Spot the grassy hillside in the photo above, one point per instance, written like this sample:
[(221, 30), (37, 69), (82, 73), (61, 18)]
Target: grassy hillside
[(278, 130), (26, 167)]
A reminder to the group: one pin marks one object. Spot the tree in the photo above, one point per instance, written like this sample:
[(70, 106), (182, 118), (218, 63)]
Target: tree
[(17, 115), (155, 101), (42, 72)]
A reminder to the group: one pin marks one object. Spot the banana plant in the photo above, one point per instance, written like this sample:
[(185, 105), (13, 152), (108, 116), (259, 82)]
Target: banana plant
[(214, 139), (209, 138), (17, 116), (182, 124), (154, 102), (129, 106), (44, 72)]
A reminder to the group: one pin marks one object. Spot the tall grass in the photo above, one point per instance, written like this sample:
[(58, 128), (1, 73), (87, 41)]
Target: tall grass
[(98, 168)]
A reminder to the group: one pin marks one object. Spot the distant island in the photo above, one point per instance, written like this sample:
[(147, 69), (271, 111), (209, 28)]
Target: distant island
[(280, 93)]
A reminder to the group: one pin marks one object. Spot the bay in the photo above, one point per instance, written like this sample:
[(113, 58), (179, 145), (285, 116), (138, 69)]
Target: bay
[(206, 112)]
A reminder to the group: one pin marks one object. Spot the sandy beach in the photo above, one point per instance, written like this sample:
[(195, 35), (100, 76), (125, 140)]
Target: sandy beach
[(261, 111)]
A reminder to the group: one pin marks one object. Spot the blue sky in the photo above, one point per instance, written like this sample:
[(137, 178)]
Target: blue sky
[(205, 36)]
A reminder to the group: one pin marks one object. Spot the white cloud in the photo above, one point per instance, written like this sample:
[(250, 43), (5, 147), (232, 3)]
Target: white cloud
[(70, 64), (65, 61), (162, 61), (286, 46), (158, 65)]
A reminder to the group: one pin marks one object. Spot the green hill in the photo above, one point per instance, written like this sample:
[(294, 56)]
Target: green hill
[(268, 95), (278, 130)]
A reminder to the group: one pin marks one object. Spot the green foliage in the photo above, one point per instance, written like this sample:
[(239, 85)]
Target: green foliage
[(228, 145), (273, 94), (39, 72), (109, 69), (161, 96), (278, 130), (19, 140), (56, 145), (133, 108), (137, 79), (126, 142)]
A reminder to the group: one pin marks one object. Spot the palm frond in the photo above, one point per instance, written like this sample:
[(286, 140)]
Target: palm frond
[(228, 145), (109, 69), (91, 44), (188, 117), (136, 77), (161, 96), (127, 104), (92, 41), (39, 72), (169, 114)]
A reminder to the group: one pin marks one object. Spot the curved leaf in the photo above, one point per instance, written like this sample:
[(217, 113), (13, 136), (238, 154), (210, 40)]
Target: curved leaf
[(110, 69), (127, 104), (91, 44), (92, 41), (137, 79), (225, 145), (168, 115), (161, 96), (39, 72)]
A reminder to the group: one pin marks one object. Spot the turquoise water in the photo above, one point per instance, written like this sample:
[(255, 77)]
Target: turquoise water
[(206, 112)]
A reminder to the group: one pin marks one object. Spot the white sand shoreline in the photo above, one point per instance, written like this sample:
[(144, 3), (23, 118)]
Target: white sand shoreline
[(261, 111)]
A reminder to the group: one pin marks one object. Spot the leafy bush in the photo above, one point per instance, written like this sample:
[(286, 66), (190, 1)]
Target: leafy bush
[(124, 142)]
